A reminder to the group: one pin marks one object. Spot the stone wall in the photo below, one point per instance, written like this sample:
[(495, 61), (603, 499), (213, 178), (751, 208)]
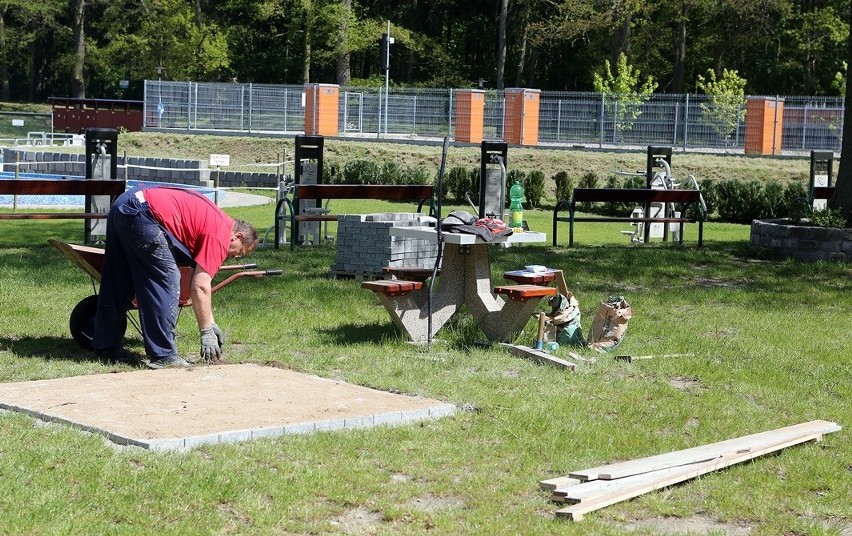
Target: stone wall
[(365, 246), (138, 168), (802, 242)]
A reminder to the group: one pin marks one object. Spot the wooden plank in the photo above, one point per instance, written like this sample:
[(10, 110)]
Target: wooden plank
[(704, 452), (561, 482), (538, 356), (631, 487)]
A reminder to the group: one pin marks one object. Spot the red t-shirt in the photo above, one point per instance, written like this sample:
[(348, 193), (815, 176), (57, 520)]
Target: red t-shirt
[(196, 222)]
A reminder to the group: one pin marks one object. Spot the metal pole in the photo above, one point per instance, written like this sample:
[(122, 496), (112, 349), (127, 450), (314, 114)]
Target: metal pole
[(603, 104), (387, 79), (685, 120)]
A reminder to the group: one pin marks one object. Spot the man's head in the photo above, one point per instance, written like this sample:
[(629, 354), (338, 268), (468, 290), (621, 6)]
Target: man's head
[(243, 239)]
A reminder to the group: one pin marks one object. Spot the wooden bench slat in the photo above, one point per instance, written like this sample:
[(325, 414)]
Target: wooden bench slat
[(62, 186), (530, 278), (634, 195), (391, 192), (392, 287), (525, 292), (52, 215)]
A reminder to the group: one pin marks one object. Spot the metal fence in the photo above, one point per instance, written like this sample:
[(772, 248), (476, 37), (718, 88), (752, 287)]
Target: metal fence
[(688, 122)]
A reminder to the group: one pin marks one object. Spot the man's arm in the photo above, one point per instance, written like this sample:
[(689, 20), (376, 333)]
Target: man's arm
[(201, 292)]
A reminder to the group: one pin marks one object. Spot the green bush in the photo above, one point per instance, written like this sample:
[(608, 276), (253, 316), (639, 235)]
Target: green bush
[(589, 180), (534, 188), (708, 192), (456, 183), (795, 201), (564, 185), (740, 201), (773, 200), (391, 173), (415, 175), (828, 218), (361, 171)]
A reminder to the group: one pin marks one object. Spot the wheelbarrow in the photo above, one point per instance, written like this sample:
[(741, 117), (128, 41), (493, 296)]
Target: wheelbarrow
[(91, 260)]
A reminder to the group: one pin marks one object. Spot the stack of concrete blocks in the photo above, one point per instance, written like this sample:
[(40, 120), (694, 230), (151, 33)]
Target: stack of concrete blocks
[(365, 246)]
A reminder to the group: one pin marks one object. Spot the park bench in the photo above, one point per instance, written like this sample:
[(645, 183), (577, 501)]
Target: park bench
[(420, 193), (639, 196), (109, 187)]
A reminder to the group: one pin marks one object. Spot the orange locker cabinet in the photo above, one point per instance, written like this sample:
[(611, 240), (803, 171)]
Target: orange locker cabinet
[(520, 116), (764, 125), (321, 106), (470, 115)]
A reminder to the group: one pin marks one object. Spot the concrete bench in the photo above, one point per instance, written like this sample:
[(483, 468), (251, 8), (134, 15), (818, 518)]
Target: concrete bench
[(420, 193), (639, 196)]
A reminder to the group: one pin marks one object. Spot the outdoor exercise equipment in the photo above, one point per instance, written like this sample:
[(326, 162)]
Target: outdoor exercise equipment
[(101, 163)]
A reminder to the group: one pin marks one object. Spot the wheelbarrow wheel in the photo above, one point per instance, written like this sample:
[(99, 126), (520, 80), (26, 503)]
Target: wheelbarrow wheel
[(82, 321)]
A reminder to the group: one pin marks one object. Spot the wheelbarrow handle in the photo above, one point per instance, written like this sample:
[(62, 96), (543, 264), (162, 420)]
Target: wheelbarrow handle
[(249, 266), (256, 273)]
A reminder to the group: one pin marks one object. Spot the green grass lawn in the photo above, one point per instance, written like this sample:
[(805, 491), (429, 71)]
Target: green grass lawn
[(768, 343)]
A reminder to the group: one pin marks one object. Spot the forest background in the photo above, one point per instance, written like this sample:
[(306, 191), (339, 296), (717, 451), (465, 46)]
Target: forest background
[(107, 48)]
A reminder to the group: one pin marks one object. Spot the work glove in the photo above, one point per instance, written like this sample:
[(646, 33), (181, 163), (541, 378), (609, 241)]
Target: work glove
[(210, 345), (220, 337)]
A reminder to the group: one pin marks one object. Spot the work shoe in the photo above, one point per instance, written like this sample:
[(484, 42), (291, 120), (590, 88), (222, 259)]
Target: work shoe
[(118, 356), (169, 362)]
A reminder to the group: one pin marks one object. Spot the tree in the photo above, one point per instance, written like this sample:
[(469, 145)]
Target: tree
[(842, 198), (727, 99), (344, 75), (78, 81), (623, 91)]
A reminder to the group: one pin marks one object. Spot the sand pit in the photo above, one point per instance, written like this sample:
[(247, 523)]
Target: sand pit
[(174, 409)]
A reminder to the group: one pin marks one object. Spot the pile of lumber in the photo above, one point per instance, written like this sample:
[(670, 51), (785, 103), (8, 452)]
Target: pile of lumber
[(598, 487)]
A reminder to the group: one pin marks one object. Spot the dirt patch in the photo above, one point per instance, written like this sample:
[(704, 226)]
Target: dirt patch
[(358, 521), (210, 404), (433, 503), (682, 383), (688, 525)]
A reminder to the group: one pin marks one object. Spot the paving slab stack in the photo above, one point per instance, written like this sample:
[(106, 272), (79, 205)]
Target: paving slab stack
[(365, 246)]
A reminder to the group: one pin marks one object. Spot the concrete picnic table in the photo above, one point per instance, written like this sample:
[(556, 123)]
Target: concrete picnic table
[(465, 279)]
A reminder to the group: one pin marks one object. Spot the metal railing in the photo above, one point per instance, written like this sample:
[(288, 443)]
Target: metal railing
[(687, 122)]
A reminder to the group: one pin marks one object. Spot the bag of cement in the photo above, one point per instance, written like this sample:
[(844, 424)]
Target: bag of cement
[(562, 324), (610, 324)]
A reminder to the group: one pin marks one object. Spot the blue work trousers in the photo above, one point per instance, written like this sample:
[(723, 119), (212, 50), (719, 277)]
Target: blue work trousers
[(138, 261)]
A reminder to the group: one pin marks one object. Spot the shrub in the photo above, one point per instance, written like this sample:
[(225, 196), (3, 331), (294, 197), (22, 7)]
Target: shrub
[(564, 186), (361, 171), (773, 200), (391, 173), (534, 188), (795, 202), (739, 201), (828, 218), (415, 175), (456, 183), (708, 192), (589, 180)]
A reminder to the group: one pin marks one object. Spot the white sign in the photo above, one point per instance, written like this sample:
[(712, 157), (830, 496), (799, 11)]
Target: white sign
[(220, 160), (17, 122)]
